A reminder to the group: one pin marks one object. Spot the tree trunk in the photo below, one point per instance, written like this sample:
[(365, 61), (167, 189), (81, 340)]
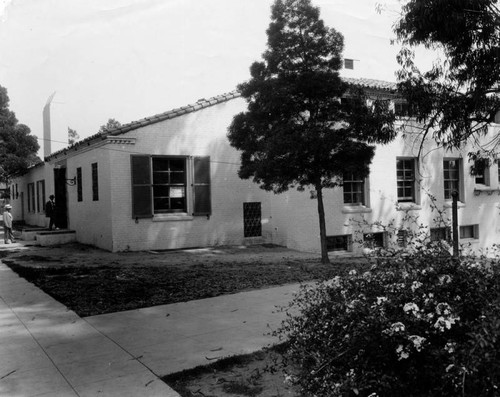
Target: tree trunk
[(322, 226)]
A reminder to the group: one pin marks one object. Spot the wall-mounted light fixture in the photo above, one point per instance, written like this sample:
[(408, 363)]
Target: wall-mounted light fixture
[(71, 182)]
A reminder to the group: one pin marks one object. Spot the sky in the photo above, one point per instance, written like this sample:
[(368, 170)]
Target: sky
[(130, 59)]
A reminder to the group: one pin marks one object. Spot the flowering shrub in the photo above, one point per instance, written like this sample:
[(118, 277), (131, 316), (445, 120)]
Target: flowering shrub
[(417, 324)]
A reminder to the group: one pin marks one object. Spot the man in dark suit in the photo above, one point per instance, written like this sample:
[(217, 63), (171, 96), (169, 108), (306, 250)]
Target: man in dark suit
[(50, 211)]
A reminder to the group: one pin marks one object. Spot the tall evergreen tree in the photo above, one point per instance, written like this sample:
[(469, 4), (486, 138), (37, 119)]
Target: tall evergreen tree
[(17, 147), (296, 132)]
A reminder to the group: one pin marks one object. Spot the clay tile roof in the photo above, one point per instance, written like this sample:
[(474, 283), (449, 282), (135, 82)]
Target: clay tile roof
[(204, 103), (371, 83)]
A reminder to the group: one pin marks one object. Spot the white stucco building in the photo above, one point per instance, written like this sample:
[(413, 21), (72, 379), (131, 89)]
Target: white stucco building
[(170, 181)]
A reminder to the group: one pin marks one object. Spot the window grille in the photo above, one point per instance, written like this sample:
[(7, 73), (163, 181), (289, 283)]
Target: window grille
[(252, 219)]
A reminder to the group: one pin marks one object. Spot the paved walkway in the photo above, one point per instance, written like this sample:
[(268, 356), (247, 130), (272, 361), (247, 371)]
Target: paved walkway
[(47, 350)]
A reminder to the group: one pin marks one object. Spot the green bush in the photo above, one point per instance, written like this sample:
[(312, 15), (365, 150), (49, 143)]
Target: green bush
[(418, 323)]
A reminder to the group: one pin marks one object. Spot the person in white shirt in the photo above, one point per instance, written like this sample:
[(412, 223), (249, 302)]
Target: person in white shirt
[(7, 225)]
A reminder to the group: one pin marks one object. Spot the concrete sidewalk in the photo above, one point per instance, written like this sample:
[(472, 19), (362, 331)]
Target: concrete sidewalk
[(47, 350)]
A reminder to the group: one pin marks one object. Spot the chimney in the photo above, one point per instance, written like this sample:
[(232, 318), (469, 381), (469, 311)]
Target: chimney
[(47, 138)]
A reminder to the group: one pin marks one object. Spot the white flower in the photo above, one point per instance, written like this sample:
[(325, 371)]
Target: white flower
[(417, 341), (381, 299), (450, 347), (395, 328), (402, 353), (444, 279), (353, 272), (415, 285), (444, 323), (412, 308), (443, 309)]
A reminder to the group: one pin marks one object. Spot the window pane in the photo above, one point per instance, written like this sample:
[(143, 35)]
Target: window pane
[(169, 180), (177, 177)]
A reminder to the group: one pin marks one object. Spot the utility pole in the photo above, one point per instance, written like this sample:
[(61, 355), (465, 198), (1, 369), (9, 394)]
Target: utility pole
[(454, 215)]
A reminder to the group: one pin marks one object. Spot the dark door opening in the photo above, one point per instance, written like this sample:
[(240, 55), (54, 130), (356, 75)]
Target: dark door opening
[(60, 193)]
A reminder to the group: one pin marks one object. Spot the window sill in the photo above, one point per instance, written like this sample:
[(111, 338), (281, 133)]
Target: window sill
[(172, 217), (479, 189), (449, 204), (408, 207), (355, 209)]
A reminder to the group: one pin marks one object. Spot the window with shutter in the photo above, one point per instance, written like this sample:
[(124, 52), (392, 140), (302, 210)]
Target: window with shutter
[(201, 186), (141, 187), (160, 186)]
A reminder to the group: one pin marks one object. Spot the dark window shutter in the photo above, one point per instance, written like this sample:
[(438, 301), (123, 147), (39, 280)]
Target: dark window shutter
[(141, 187), (201, 186)]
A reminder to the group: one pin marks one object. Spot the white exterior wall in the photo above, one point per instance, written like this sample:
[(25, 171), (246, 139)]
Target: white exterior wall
[(35, 216), (201, 133), (90, 219), (295, 213), (290, 218)]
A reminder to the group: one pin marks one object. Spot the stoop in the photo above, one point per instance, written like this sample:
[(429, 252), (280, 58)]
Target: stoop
[(55, 237), (29, 234)]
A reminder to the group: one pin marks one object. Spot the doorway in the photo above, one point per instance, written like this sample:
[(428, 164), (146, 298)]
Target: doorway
[(60, 193)]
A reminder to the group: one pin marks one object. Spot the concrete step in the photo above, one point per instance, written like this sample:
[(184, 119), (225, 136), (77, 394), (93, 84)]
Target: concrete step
[(55, 237)]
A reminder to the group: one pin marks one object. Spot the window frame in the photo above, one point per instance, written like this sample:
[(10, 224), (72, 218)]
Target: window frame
[(411, 182), (345, 247), (355, 181), (198, 195), (171, 174), (474, 228), (31, 197), (95, 182), (458, 179), (439, 231), (79, 184), (40, 195)]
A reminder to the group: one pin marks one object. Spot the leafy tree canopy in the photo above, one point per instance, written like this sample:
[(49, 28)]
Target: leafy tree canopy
[(17, 147), (459, 96), (111, 124), (73, 136), (295, 131)]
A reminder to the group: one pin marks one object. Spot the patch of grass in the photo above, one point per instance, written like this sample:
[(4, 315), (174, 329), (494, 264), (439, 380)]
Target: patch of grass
[(92, 290)]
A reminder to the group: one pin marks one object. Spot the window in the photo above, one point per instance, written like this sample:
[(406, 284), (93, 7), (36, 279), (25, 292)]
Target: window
[(40, 196), (95, 183), (348, 63), (402, 109), (339, 243), (451, 168), (252, 219), (79, 191), (374, 240), (406, 180), (169, 185), (440, 233), (354, 189), (31, 197), (481, 172), (469, 231)]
